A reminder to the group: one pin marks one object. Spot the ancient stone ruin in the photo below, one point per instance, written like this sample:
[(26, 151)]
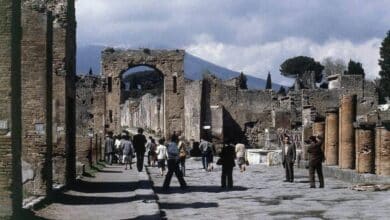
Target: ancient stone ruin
[(53, 123)]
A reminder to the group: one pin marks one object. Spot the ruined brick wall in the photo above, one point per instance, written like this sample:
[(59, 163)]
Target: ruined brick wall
[(36, 100), (192, 110), (90, 102), (382, 151), (168, 62)]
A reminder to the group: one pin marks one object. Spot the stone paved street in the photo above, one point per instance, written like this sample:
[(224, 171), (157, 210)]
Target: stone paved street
[(111, 195), (260, 193)]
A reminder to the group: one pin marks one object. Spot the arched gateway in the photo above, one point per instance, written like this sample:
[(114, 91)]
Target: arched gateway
[(170, 63)]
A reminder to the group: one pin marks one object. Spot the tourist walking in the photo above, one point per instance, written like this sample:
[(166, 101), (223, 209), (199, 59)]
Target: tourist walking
[(152, 153), (182, 154), (288, 158), (139, 141), (109, 148), (210, 156), (162, 155), (227, 157), (241, 156), (118, 150), (173, 165), (203, 146), (127, 147), (316, 157)]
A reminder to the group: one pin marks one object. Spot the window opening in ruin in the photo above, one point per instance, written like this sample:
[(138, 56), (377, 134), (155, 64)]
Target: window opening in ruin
[(174, 84), (109, 86), (110, 116)]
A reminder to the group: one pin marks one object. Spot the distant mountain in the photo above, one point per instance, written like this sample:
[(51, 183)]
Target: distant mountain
[(194, 67)]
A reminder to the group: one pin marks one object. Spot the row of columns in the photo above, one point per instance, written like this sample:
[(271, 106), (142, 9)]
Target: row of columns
[(365, 147)]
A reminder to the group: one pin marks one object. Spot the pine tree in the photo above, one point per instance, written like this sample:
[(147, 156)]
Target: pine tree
[(90, 71), (355, 68), (242, 81), (384, 63), (269, 82)]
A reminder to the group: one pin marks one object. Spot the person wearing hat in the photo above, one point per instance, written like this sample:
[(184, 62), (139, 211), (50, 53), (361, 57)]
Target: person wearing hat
[(316, 156)]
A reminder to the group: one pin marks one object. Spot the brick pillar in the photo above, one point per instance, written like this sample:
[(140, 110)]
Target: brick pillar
[(382, 151), (347, 132), (331, 137), (10, 121), (63, 72), (36, 101), (365, 150)]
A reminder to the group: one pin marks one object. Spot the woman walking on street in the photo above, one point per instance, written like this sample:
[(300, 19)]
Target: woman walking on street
[(241, 156), (182, 155)]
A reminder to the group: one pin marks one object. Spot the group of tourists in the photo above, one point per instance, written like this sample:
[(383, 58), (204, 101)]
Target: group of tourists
[(172, 154)]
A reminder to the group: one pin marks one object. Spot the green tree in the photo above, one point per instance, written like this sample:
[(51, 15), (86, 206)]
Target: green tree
[(269, 82), (297, 66), (242, 81), (90, 71), (355, 68), (384, 63)]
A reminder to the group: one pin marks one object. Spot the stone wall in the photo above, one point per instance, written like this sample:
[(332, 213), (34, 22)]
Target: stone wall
[(36, 100), (168, 62), (192, 110), (90, 102)]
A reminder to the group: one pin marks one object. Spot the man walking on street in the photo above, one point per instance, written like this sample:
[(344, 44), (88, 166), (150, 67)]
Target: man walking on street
[(203, 147), (139, 141), (316, 156), (109, 148), (173, 165)]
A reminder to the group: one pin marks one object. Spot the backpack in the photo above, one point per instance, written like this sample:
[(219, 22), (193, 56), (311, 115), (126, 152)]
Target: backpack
[(182, 149), (172, 150)]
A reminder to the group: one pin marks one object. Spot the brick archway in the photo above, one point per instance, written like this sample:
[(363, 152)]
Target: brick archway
[(169, 62)]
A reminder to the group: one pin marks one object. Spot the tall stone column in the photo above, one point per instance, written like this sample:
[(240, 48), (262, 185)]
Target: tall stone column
[(382, 151), (10, 115), (36, 100), (365, 150), (332, 137), (347, 132)]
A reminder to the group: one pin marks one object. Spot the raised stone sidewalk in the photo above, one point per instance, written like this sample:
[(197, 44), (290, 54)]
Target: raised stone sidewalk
[(115, 193)]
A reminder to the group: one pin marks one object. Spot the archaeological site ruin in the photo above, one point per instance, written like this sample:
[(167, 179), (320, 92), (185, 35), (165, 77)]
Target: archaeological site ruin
[(53, 122)]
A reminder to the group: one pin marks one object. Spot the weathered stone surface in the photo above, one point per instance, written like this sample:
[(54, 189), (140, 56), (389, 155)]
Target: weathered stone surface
[(192, 110), (382, 151), (168, 62), (347, 116), (365, 150), (37, 99), (332, 137)]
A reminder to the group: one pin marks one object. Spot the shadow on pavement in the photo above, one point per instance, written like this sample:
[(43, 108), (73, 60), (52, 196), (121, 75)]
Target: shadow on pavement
[(103, 187), (195, 205), (189, 189), (146, 217), (91, 200)]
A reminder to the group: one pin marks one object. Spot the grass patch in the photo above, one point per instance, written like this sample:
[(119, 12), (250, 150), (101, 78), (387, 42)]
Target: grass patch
[(91, 171)]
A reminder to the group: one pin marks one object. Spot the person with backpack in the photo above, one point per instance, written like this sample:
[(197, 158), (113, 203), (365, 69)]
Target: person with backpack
[(127, 147), (173, 165), (161, 152), (182, 155)]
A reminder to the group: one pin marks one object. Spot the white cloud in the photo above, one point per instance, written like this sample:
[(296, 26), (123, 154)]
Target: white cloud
[(258, 59)]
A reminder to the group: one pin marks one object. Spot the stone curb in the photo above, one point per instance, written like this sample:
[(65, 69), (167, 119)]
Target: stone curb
[(351, 176), (148, 207)]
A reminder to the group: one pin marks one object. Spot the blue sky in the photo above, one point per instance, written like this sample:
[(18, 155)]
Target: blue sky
[(254, 36)]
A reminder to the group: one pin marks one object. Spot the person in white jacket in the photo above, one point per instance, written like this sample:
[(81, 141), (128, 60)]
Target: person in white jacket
[(161, 152)]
